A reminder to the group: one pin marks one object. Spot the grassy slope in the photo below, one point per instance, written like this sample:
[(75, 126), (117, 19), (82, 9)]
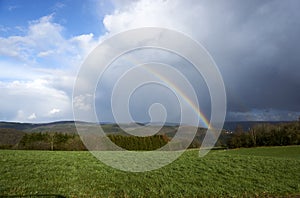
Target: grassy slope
[(242, 172)]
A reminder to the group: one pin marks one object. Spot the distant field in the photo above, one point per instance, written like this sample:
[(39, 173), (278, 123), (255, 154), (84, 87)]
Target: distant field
[(270, 171)]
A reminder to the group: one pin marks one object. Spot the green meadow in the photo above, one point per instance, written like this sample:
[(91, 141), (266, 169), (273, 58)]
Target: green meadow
[(252, 172)]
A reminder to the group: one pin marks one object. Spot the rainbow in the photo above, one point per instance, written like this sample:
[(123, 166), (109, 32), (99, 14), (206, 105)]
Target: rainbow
[(203, 120), (188, 101)]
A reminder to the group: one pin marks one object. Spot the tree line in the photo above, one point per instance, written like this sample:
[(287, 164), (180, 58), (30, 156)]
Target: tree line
[(72, 142), (266, 135), (51, 141)]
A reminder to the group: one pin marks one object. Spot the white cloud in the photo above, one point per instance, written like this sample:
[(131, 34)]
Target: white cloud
[(84, 44), (25, 97), (145, 13), (44, 39), (23, 116), (83, 102), (38, 70), (45, 53), (32, 117), (54, 111)]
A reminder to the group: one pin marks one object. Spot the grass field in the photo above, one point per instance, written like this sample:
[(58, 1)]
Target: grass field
[(270, 171)]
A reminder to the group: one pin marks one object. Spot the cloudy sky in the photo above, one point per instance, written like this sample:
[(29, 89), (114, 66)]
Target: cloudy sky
[(254, 43)]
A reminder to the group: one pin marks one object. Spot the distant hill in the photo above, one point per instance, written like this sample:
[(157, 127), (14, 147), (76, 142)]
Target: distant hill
[(60, 127), (10, 137), (246, 125), (17, 125), (69, 126)]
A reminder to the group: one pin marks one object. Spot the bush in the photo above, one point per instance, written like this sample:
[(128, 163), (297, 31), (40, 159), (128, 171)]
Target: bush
[(139, 143)]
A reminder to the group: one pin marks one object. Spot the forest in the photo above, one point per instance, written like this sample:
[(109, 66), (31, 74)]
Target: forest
[(263, 134)]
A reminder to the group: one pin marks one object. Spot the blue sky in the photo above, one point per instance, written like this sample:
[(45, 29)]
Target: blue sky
[(72, 14), (254, 43)]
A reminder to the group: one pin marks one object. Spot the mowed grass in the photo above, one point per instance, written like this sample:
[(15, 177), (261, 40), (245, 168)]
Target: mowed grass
[(270, 171)]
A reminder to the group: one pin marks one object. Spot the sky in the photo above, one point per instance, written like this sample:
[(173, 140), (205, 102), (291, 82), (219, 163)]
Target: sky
[(254, 43)]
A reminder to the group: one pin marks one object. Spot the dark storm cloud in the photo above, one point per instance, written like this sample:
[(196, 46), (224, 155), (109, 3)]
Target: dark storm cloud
[(256, 46)]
